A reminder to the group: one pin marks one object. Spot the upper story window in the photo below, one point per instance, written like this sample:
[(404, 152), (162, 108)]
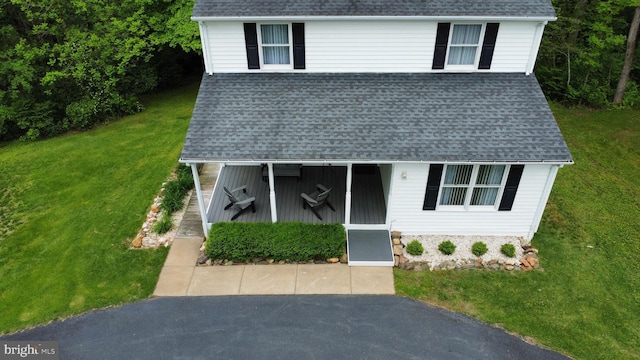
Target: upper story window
[(464, 44), (275, 44)]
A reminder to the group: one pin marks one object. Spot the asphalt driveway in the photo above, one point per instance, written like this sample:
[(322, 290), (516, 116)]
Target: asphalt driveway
[(280, 327)]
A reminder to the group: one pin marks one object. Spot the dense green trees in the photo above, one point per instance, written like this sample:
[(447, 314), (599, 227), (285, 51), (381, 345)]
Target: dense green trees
[(582, 53), (69, 64)]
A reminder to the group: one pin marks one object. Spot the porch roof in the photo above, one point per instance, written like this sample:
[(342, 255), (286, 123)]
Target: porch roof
[(298, 117)]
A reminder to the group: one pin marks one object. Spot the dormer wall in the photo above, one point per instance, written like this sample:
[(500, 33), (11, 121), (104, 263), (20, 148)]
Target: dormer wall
[(377, 46)]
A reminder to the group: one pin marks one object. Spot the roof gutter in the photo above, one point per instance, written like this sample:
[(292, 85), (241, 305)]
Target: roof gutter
[(356, 161), (369, 18)]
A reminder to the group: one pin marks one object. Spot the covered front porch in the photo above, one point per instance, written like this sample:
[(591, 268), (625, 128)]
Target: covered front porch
[(367, 206)]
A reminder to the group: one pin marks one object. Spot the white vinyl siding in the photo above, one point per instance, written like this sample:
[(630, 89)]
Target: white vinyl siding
[(407, 215), (368, 46), (513, 47), (226, 47)]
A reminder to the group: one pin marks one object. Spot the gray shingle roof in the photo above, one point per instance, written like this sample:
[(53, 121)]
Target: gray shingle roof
[(252, 8), (379, 117)]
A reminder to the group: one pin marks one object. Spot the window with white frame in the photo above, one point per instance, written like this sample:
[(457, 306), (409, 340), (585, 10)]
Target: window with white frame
[(275, 45), (472, 185), (464, 43)]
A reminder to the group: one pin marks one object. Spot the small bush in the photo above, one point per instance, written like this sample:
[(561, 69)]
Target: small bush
[(185, 178), (415, 248), (164, 224), (479, 248), (278, 241), (447, 247), (508, 249), (173, 199)]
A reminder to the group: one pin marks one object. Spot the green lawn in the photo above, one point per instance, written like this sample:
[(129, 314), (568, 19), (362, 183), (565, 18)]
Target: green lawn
[(68, 206), (587, 301)]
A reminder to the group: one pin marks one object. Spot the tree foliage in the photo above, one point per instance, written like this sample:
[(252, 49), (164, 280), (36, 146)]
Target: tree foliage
[(582, 53), (69, 64)]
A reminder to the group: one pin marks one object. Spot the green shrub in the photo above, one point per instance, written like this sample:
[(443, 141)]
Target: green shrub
[(164, 224), (479, 248), (175, 190), (278, 241), (184, 178), (508, 249), (447, 247), (173, 199), (415, 248)]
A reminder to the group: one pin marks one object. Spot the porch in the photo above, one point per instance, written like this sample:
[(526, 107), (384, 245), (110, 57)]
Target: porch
[(368, 204)]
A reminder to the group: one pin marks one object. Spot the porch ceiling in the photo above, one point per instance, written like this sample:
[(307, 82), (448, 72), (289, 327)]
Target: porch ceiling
[(299, 117)]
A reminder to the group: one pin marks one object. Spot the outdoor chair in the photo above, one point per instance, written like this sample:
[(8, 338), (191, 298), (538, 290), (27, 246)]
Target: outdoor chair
[(317, 199), (239, 199)]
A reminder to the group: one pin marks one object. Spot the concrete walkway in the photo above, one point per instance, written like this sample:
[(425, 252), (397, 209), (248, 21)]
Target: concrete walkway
[(181, 277)]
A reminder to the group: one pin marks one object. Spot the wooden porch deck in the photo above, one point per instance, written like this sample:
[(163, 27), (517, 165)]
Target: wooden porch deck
[(367, 198)]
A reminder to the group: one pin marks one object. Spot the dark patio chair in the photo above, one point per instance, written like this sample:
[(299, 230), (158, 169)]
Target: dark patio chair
[(317, 199), (239, 199)]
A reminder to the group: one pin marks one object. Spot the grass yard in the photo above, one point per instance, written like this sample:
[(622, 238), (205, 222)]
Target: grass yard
[(68, 206), (587, 301)]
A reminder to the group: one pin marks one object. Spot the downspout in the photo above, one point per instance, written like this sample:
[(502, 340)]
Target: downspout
[(203, 212), (204, 39), (535, 47), (551, 177)]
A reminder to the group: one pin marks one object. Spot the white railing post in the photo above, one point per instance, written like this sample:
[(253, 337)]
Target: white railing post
[(347, 200), (272, 194)]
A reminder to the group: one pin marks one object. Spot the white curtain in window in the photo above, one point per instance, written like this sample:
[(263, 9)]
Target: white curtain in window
[(275, 43), (464, 44)]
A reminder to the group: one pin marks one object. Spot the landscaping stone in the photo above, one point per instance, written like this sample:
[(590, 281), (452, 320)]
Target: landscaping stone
[(202, 259), (137, 242), (333, 260)]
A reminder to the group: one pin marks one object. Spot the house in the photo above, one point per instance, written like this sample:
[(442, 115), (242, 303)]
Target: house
[(423, 116)]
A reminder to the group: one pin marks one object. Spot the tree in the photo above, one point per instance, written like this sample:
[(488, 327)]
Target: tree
[(583, 49), (628, 58), (70, 64)]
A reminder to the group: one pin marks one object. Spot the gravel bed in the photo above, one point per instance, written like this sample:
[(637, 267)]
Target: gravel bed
[(463, 247)]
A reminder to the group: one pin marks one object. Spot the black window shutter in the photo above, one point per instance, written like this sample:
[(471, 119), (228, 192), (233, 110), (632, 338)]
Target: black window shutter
[(511, 187), (298, 45), (433, 187), (488, 45), (442, 40), (251, 42)]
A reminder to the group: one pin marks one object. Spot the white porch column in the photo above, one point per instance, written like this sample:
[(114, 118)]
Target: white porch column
[(272, 194), (203, 211), (347, 199)]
